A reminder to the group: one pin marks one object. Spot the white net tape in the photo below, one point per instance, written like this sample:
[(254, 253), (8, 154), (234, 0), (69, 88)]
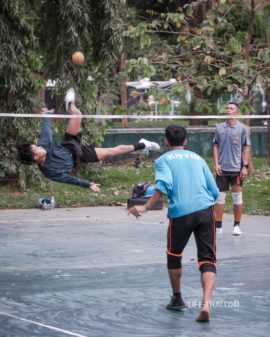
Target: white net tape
[(38, 115)]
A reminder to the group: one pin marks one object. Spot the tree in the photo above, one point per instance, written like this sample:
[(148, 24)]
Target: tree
[(218, 48), (38, 38)]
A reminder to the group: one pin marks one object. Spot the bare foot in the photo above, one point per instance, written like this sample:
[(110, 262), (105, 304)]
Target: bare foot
[(203, 317)]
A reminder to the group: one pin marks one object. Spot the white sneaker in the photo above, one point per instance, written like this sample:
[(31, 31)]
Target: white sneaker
[(219, 230), (69, 98), (149, 145), (237, 230)]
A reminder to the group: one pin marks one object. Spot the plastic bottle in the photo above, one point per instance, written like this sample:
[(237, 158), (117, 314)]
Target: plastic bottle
[(52, 202)]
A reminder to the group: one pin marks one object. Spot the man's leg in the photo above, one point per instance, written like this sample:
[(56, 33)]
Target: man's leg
[(74, 124), (206, 246), (237, 208), (143, 144), (74, 127), (179, 232), (104, 153), (223, 185), (176, 302), (219, 210), (175, 280), (208, 280)]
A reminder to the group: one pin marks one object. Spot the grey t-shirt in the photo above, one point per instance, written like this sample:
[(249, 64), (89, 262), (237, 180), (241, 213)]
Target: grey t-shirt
[(231, 140)]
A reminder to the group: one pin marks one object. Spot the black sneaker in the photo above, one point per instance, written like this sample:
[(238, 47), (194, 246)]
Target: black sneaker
[(176, 303)]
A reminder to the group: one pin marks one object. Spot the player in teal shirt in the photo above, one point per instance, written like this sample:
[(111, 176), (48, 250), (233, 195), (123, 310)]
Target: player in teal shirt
[(186, 180)]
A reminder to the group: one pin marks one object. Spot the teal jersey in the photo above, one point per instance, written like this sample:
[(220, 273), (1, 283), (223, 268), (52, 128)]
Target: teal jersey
[(184, 177)]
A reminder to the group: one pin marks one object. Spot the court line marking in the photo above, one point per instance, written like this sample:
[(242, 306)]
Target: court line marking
[(42, 325), (80, 219)]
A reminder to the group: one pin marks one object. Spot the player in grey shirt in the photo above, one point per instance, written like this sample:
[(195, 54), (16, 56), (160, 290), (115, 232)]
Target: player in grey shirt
[(231, 156)]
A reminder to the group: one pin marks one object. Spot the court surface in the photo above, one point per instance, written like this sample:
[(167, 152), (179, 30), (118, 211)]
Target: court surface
[(99, 272)]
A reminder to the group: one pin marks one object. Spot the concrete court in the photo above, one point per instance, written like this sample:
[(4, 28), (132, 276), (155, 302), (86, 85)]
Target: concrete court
[(99, 272)]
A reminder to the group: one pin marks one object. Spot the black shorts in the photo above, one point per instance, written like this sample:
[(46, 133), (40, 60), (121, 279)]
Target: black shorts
[(228, 178), (81, 153), (200, 223)]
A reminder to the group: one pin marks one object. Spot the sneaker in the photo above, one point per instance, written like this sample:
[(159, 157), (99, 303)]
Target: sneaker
[(219, 230), (149, 145), (69, 98), (176, 304), (237, 230)]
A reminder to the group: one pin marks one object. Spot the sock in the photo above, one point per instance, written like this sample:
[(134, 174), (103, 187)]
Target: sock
[(139, 146), (218, 224), (236, 223), (177, 295)]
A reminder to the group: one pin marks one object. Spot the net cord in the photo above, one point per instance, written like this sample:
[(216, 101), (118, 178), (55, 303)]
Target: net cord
[(155, 117)]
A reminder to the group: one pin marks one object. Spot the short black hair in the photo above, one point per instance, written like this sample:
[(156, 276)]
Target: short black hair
[(231, 102), (25, 154), (175, 135)]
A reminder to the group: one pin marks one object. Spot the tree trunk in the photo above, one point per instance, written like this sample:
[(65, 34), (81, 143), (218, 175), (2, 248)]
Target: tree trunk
[(198, 94), (247, 89), (193, 112), (123, 87)]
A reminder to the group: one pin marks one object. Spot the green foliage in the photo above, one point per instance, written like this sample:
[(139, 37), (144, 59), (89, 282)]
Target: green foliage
[(19, 83), (213, 48), (116, 187), (139, 109), (37, 40), (140, 67)]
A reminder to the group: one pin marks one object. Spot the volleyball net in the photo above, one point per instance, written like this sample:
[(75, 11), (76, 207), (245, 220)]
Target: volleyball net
[(135, 117)]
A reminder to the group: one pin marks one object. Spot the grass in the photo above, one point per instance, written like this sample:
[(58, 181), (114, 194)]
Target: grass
[(117, 182)]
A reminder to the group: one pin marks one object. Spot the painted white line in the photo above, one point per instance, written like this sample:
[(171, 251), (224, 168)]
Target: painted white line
[(42, 325), (90, 219)]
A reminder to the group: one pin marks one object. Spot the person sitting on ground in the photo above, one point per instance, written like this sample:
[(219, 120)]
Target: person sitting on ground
[(56, 162)]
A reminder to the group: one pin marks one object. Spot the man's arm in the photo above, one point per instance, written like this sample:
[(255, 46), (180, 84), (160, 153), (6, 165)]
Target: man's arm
[(246, 161), (137, 210), (69, 179), (210, 182), (218, 168)]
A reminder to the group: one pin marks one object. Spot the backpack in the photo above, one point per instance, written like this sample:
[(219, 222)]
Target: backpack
[(139, 189)]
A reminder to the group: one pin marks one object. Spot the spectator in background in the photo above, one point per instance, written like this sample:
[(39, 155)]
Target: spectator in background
[(231, 157)]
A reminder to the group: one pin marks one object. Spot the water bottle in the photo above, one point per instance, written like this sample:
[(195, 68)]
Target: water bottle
[(52, 202)]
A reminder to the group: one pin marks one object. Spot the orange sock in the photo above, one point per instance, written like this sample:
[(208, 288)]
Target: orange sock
[(237, 214)]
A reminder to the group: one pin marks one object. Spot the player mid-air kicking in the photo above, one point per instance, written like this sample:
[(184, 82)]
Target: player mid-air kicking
[(56, 162)]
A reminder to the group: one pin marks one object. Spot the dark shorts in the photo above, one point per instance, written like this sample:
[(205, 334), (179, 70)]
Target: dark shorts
[(200, 223), (81, 153), (228, 178)]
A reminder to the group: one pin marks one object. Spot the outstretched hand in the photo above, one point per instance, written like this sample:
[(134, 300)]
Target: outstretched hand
[(137, 210), (95, 187)]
